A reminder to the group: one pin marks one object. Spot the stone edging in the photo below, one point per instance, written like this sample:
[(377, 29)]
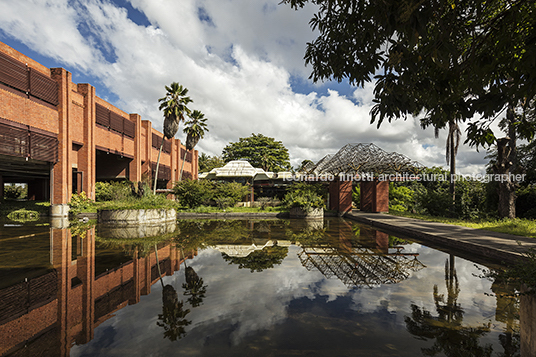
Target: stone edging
[(489, 253), (242, 215), (136, 216)]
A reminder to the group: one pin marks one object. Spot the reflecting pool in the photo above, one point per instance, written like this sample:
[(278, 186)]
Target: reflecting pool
[(247, 288)]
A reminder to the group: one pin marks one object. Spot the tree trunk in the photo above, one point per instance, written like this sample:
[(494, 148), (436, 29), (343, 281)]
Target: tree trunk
[(506, 191), (453, 175), (158, 265), (182, 165), (157, 165)]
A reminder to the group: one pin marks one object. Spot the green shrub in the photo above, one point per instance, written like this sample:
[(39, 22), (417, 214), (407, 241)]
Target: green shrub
[(356, 196), (15, 191), (232, 192), (264, 202), (436, 202), (79, 202), (470, 200), (304, 195), (193, 193), (401, 198), (526, 196), (23, 215), (113, 191), (224, 202)]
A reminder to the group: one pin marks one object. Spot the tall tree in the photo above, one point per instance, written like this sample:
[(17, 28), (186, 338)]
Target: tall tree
[(207, 162), (451, 151), (437, 59), (260, 151), (195, 130), (174, 105)]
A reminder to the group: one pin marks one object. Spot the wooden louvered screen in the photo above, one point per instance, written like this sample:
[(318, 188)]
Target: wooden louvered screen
[(129, 128), (164, 171), (43, 147), (157, 140), (13, 73), (25, 296), (108, 303), (102, 116), (116, 122), (28, 80), (167, 146), (13, 139), (43, 87), (24, 141), (187, 175), (188, 155)]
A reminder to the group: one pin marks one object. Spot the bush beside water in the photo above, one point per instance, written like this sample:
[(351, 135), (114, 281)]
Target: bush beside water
[(193, 194)]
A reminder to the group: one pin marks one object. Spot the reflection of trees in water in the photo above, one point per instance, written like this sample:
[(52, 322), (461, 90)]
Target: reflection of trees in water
[(193, 287), (135, 247), (203, 233), (507, 311), (173, 316), (259, 260), (451, 337)]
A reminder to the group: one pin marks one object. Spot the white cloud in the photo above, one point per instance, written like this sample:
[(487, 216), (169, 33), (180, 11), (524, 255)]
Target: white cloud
[(237, 58)]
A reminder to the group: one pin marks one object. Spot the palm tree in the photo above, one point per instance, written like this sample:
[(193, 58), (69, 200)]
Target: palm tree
[(194, 287), (453, 142), (174, 105), (195, 129), (452, 145)]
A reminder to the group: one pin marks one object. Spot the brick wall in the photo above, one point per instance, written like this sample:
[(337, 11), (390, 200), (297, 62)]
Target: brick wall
[(74, 122)]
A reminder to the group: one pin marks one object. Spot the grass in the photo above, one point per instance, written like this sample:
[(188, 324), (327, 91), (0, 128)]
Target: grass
[(516, 226), (149, 202)]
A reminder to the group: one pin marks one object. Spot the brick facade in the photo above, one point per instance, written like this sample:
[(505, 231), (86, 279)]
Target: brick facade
[(127, 140), (70, 302)]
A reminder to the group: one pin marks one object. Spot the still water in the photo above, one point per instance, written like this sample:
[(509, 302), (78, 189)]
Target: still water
[(245, 288)]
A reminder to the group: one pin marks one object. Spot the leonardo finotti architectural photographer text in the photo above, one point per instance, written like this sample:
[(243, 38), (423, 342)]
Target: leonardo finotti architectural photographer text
[(369, 176)]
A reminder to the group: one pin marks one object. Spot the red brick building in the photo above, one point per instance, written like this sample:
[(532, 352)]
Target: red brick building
[(60, 138)]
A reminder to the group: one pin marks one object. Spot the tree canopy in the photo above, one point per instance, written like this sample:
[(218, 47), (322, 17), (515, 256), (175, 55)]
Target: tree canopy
[(443, 59), (207, 162), (260, 151)]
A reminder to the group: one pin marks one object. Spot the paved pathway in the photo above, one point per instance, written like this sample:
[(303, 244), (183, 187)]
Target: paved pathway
[(499, 247)]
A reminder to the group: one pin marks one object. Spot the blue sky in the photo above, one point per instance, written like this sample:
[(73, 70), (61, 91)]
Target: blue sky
[(242, 61)]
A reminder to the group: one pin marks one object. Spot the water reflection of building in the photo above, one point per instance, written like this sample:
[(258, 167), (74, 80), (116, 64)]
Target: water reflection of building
[(243, 250), (360, 258), (48, 314)]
